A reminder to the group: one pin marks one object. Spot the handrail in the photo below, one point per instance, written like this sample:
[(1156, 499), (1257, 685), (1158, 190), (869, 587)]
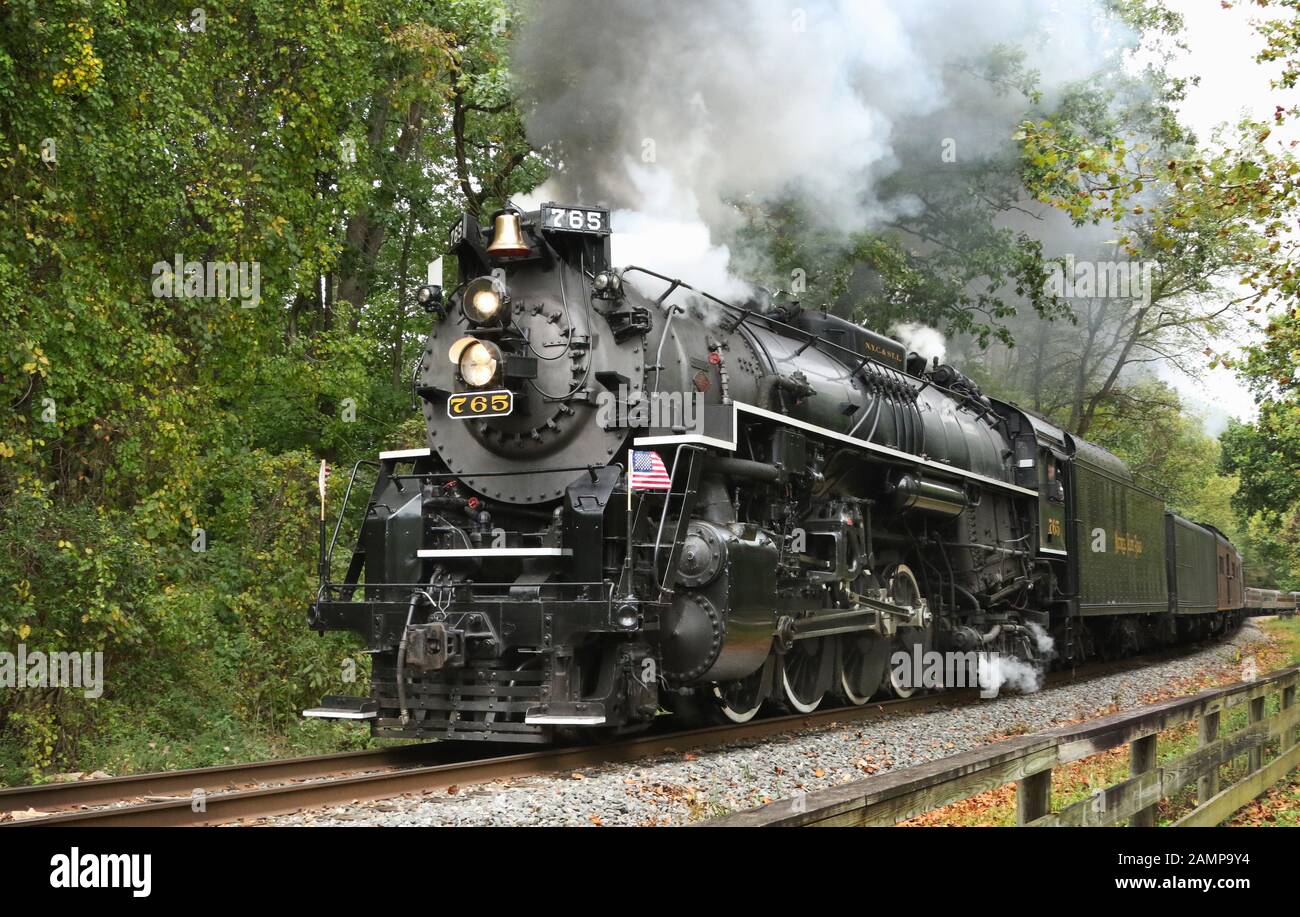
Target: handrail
[(338, 523), (499, 474), (347, 494), (663, 516)]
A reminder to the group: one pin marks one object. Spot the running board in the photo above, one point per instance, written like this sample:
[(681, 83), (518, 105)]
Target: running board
[(342, 707), (566, 714), (494, 552)]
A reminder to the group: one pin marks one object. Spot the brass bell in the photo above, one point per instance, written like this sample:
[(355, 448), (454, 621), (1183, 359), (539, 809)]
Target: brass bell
[(507, 235)]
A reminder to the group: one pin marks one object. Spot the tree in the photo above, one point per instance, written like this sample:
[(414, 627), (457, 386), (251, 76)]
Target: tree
[(1168, 452), (1149, 297), (441, 85), (158, 456)]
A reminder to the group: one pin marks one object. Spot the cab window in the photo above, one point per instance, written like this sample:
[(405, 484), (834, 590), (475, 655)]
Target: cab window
[(1055, 489)]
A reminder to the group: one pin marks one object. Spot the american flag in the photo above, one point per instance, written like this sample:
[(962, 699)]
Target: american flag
[(649, 473)]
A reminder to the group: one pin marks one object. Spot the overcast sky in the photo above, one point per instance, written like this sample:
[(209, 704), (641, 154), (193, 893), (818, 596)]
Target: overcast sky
[(1221, 49)]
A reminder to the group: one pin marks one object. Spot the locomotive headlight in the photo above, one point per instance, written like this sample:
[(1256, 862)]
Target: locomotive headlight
[(480, 363), (482, 300)]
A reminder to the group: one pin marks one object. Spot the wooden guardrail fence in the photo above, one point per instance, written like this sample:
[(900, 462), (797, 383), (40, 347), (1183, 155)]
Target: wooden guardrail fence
[(1028, 761)]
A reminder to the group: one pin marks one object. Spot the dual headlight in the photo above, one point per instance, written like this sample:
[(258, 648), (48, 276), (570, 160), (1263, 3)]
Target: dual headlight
[(480, 362)]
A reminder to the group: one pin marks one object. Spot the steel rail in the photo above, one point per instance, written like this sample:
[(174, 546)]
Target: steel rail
[(280, 799), (284, 798), (109, 790)]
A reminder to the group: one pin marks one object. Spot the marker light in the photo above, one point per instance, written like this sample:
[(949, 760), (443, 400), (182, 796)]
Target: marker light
[(607, 284), (429, 297)]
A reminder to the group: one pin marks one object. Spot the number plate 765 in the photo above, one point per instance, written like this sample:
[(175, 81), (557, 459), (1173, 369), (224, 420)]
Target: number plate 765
[(464, 405)]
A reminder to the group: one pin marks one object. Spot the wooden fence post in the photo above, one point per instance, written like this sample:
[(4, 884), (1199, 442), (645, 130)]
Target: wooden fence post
[(1289, 737), (1033, 797), (1255, 757), (1142, 758), (1208, 786)]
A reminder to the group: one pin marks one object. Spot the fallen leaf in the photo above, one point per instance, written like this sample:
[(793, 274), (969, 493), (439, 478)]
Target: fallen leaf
[(22, 814)]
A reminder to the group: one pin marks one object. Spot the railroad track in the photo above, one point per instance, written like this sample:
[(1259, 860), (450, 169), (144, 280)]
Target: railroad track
[(242, 791), (139, 788)]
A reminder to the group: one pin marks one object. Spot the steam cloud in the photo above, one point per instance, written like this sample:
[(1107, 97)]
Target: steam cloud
[(922, 339), (683, 112), (997, 671)]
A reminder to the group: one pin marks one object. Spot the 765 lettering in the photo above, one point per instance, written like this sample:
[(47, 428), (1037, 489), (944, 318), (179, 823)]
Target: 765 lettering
[(480, 404)]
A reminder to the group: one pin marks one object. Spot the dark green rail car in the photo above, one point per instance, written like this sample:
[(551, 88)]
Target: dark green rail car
[(1192, 567), (1120, 531)]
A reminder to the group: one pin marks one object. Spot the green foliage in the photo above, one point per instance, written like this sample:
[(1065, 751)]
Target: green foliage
[(1266, 456), (1208, 216), (1169, 452), (310, 140), (1263, 184)]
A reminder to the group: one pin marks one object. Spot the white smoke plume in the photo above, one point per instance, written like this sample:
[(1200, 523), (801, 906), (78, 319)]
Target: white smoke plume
[(1044, 643), (998, 672), (668, 236), (685, 112), (924, 340)]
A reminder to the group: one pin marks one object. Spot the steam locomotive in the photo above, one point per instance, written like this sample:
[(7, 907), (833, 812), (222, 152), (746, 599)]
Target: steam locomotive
[(634, 503)]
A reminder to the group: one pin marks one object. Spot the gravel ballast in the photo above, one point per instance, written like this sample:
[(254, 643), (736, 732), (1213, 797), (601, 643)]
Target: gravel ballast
[(679, 788)]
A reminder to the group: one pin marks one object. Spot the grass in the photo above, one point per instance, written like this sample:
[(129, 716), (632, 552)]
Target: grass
[(1081, 779), (1278, 808), (224, 740), (1286, 633)]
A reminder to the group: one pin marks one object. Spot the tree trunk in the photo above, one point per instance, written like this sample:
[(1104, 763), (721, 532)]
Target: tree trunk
[(365, 235), (403, 288), (1090, 409)]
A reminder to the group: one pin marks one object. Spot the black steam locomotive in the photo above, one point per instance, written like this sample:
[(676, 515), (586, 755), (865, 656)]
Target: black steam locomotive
[(629, 505)]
